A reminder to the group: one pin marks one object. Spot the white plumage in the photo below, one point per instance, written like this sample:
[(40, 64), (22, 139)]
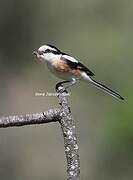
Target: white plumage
[(68, 68)]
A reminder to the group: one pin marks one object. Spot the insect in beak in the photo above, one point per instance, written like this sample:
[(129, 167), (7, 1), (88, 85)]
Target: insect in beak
[(35, 53)]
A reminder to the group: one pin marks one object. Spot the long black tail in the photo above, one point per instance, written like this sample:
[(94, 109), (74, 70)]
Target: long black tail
[(106, 89)]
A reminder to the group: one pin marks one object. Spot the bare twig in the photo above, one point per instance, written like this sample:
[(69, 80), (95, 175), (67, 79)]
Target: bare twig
[(64, 117)]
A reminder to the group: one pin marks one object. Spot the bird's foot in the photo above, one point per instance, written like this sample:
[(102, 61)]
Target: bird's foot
[(60, 88)]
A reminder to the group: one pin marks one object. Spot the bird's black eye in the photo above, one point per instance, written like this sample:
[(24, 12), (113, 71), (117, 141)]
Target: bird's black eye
[(47, 50)]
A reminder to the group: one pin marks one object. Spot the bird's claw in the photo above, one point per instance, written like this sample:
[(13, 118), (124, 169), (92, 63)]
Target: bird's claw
[(60, 88)]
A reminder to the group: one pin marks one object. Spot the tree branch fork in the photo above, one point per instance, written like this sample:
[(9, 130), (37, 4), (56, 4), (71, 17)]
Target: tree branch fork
[(64, 117)]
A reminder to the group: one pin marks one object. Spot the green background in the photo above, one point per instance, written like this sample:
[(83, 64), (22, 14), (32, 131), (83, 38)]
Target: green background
[(100, 34)]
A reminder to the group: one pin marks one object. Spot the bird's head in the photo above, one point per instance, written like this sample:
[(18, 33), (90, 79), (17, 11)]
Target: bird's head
[(47, 52)]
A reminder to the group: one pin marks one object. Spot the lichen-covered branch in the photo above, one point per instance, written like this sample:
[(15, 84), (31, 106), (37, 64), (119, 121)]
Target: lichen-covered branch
[(52, 115), (70, 139), (64, 117)]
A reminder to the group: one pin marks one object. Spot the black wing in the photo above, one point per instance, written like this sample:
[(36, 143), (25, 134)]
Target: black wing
[(78, 65), (84, 68)]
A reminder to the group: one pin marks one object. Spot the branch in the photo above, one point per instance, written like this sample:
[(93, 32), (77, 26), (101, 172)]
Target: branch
[(38, 118), (70, 140), (64, 117)]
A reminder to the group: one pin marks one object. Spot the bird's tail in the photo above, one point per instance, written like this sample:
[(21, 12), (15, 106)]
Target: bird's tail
[(105, 89)]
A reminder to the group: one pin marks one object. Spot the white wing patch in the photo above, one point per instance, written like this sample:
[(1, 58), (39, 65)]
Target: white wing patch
[(72, 59)]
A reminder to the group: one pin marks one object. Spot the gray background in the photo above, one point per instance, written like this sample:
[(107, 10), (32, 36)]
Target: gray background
[(100, 34)]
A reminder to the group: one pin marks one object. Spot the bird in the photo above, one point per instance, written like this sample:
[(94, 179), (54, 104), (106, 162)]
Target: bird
[(68, 68)]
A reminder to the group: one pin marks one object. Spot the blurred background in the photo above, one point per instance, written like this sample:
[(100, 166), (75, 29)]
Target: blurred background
[(100, 34)]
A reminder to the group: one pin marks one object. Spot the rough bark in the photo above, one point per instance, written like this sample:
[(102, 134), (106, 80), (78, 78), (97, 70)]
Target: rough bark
[(64, 117), (70, 139)]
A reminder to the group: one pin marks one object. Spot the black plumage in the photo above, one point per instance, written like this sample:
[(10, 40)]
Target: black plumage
[(78, 65), (74, 65)]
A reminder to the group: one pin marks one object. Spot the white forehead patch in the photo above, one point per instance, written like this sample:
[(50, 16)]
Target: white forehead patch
[(44, 47), (72, 59)]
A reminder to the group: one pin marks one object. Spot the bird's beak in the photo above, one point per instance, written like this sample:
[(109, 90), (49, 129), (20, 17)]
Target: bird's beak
[(35, 53)]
